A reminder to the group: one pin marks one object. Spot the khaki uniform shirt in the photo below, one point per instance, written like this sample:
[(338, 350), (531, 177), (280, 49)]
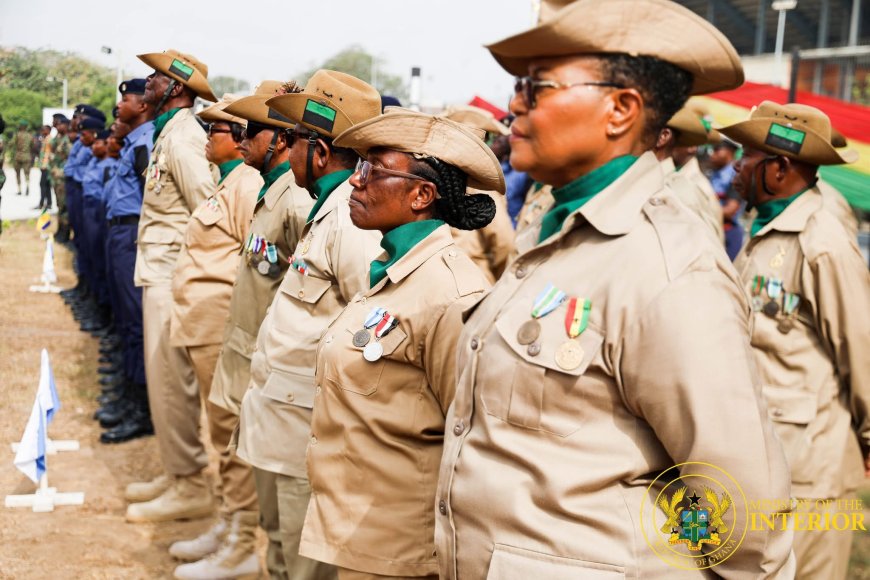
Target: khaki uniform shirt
[(815, 376), (545, 468), (537, 204), (834, 202), (279, 218), (491, 246), (685, 184), (277, 406), (382, 422), (209, 259), (177, 180)]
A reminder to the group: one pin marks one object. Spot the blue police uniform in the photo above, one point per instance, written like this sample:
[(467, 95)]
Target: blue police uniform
[(123, 205), (94, 179)]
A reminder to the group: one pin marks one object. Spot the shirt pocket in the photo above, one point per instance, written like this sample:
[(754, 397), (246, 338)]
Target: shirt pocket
[(291, 388), (305, 289), (792, 411), (511, 563), (348, 370), (529, 389)]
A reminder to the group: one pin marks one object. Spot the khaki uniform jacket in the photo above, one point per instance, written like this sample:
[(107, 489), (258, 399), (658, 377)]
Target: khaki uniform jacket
[(209, 259), (545, 469), (537, 204), (279, 218), (816, 377), (177, 180), (491, 246), (685, 186), (834, 202), (277, 406), (379, 426)]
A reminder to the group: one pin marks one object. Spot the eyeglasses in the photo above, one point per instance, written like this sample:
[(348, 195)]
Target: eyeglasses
[(213, 130), (253, 129), (528, 87), (364, 168)]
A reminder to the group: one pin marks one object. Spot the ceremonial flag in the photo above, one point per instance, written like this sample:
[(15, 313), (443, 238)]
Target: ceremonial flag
[(30, 458)]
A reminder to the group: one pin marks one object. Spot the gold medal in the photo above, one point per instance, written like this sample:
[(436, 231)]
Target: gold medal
[(785, 325), (306, 244), (529, 332), (569, 355)]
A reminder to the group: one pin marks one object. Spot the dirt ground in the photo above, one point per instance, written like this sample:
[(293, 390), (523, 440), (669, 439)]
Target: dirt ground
[(85, 542), (91, 541)]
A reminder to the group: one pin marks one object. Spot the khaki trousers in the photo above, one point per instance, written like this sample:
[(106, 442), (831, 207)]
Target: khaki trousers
[(823, 553), (348, 574), (172, 390), (238, 492), (283, 502)]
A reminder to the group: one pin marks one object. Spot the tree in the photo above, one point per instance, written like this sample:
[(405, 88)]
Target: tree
[(354, 60), (224, 84), (18, 104)]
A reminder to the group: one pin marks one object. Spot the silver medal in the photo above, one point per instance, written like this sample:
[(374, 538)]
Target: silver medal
[(373, 351), (263, 268)]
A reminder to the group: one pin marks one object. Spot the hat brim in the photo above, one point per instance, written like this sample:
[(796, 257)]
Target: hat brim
[(409, 132), (253, 108), (815, 150), (293, 106), (216, 113), (161, 61), (701, 50)]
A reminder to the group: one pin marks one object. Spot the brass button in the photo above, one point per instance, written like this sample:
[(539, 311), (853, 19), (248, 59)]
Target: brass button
[(442, 507), (459, 428), (474, 343), (301, 294), (290, 396), (534, 349), (313, 440), (777, 412)]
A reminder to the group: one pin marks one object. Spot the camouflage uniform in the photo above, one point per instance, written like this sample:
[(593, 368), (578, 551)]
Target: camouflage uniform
[(23, 158), (60, 146)]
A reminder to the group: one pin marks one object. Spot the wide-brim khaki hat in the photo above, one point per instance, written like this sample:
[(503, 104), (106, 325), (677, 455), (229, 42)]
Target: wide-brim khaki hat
[(656, 28), (691, 129), (421, 134), (800, 132), (550, 7), (215, 113), (331, 103), (477, 118), (254, 108), (184, 68)]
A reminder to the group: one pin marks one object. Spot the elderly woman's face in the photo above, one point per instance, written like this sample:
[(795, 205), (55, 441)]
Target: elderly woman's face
[(385, 201), (565, 134)]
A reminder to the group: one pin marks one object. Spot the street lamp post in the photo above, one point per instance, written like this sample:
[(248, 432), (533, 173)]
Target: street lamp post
[(118, 71), (65, 88), (781, 6)]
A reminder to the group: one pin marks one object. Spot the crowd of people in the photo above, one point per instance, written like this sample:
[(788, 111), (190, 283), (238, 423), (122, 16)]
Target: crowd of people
[(432, 345)]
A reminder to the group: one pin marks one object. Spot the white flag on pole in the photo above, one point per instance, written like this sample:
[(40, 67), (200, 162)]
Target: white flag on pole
[(48, 274), (30, 457)]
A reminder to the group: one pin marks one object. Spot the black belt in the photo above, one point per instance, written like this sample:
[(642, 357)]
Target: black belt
[(124, 220)]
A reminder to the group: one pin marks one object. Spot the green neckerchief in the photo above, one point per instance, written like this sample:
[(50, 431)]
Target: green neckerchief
[(226, 167), (161, 120), (397, 242), (326, 185), (271, 177), (572, 196), (769, 210)]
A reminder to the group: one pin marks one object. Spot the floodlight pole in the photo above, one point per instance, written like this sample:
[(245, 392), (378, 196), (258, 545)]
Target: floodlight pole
[(781, 6)]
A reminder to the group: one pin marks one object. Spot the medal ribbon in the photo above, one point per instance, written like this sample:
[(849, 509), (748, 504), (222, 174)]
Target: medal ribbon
[(272, 253), (790, 302), (757, 285), (387, 323), (577, 318), (548, 300), (774, 287), (250, 243), (375, 316)]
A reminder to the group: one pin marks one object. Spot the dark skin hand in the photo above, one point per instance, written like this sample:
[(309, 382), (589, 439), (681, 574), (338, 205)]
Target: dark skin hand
[(387, 201)]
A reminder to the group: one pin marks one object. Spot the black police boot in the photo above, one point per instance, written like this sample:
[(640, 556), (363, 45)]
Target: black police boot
[(112, 380), (114, 413), (112, 357), (137, 423), (110, 369)]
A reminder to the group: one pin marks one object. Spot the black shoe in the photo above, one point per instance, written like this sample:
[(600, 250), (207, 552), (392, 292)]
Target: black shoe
[(114, 413), (114, 350), (133, 426), (112, 380), (101, 332), (111, 369), (94, 324), (111, 357)]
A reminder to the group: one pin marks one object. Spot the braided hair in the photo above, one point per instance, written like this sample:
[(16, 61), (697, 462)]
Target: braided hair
[(454, 206)]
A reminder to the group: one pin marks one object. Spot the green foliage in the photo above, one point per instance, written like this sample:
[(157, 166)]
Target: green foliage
[(354, 60), (17, 104), (25, 69)]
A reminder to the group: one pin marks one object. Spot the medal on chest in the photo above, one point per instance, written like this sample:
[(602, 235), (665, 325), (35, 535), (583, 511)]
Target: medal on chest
[(570, 354), (547, 301), (374, 350), (774, 289), (757, 286), (790, 303)]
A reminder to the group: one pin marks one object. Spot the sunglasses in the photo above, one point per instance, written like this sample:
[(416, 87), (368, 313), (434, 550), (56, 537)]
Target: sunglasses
[(528, 88), (364, 168), (253, 129)]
